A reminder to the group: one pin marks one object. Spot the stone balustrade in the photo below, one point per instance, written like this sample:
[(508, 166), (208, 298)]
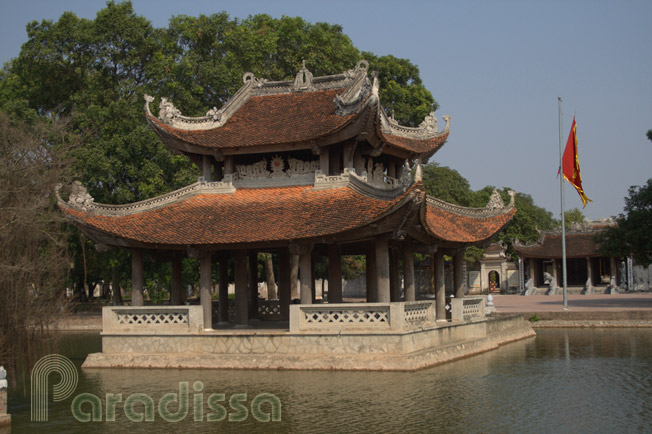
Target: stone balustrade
[(368, 317), (152, 319), (468, 309)]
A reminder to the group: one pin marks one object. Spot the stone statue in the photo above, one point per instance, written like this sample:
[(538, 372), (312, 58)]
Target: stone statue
[(529, 288), (588, 288), (612, 288), (550, 280)]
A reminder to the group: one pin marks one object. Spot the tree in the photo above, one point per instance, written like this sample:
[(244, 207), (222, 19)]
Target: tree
[(95, 72), (649, 135), (447, 184), (572, 216), (633, 233), (33, 254)]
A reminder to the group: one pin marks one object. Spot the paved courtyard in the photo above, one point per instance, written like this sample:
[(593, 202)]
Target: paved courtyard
[(577, 303)]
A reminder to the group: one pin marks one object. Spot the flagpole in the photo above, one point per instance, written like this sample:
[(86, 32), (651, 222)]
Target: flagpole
[(563, 222)]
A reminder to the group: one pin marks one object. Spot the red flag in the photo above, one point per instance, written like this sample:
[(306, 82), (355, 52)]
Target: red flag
[(571, 165)]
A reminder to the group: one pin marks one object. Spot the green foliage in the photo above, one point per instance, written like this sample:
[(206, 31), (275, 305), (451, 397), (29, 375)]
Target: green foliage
[(447, 184), (571, 216), (534, 318), (649, 135), (633, 235), (95, 72)]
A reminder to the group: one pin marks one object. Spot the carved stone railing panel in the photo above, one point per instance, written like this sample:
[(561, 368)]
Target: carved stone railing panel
[(468, 309), (152, 319), (354, 317), (269, 310)]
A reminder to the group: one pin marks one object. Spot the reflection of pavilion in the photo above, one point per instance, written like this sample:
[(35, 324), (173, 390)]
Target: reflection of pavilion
[(310, 167)]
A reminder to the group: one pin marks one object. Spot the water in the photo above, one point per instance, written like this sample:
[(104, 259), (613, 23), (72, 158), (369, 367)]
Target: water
[(570, 381)]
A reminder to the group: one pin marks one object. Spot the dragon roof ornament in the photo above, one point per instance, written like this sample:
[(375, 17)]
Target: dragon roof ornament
[(489, 211)]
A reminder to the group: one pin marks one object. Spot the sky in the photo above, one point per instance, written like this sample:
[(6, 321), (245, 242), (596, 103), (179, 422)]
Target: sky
[(496, 67)]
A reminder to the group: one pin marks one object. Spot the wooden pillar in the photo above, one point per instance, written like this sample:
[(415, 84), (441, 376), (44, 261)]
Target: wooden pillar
[(382, 269), (206, 167), (305, 274), (228, 165), (394, 285), (253, 285), (224, 290), (176, 286), (408, 273), (440, 286), (334, 274), (284, 282), (371, 275), (205, 288), (324, 160), (240, 277), (137, 279), (458, 273)]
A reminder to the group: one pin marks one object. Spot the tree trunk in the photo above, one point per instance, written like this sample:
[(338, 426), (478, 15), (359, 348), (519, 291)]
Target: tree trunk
[(269, 274)]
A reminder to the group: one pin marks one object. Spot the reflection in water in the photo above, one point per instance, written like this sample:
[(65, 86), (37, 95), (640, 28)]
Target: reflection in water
[(562, 381)]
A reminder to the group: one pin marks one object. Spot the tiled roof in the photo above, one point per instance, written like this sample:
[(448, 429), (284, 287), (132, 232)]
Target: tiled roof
[(417, 146), (578, 245), (268, 119), (453, 226), (246, 216)]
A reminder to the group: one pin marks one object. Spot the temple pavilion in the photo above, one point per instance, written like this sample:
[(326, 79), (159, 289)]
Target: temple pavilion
[(310, 167)]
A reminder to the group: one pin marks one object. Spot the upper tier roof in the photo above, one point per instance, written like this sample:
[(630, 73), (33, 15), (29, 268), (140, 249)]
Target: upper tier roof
[(307, 112), (210, 214)]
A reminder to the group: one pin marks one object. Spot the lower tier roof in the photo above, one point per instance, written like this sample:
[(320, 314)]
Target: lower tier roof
[(195, 217)]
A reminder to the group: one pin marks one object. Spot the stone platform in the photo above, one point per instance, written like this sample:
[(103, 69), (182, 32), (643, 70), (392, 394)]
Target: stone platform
[(389, 336)]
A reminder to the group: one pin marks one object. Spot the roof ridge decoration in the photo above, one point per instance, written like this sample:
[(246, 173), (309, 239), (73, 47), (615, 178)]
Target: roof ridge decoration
[(491, 210), (354, 82), (427, 129)]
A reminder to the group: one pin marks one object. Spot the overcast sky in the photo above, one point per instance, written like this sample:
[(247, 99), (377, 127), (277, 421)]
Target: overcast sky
[(496, 67)]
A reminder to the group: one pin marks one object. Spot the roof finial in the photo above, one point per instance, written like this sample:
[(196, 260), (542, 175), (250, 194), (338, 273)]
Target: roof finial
[(418, 173)]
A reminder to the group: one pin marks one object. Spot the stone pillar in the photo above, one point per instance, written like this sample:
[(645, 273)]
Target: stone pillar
[(240, 275), (408, 273), (205, 288), (228, 165), (555, 273), (347, 155), (313, 274), (253, 285), (533, 271), (358, 163), (324, 160), (305, 275), (224, 290), (458, 273), (334, 274), (284, 282), (589, 270), (295, 290), (371, 276), (391, 169), (176, 286), (137, 279), (5, 419), (440, 286), (206, 167), (382, 269), (218, 167), (613, 269), (394, 285)]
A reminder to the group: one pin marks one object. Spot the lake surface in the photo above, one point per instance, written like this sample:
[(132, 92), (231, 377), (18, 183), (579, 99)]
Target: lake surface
[(564, 380)]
